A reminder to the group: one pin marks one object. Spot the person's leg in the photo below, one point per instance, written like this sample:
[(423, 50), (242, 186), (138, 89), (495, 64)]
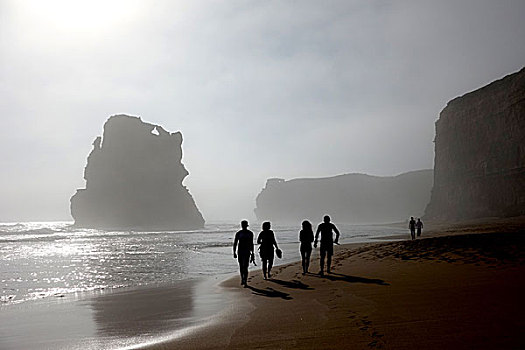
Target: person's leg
[(328, 250), (303, 260), (418, 232), (413, 234), (246, 264), (322, 253), (242, 269), (264, 262), (241, 272), (307, 258), (270, 264), (245, 275)]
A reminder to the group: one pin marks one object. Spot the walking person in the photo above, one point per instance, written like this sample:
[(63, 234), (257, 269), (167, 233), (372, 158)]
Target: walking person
[(326, 228), (419, 226), (243, 250), (412, 227), (306, 237), (266, 239)]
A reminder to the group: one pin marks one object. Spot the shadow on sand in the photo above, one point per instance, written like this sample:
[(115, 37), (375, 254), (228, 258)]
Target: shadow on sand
[(294, 284), (270, 293), (351, 279)]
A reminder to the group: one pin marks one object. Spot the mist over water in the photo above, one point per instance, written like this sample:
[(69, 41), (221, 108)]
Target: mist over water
[(54, 259), (258, 89)]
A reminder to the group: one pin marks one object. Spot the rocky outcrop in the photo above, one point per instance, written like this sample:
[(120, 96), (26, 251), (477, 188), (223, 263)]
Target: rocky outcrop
[(352, 198), (134, 180), (479, 168)]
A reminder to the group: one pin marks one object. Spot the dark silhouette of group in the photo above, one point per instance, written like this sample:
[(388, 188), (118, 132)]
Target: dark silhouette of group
[(243, 248), (414, 225)]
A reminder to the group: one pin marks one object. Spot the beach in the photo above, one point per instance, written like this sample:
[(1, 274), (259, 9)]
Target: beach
[(456, 288), (71, 288)]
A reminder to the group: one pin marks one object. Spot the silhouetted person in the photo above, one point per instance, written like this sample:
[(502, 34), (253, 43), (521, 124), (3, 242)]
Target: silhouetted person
[(306, 237), (412, 227), (419, 226), (266, 239), (326, 229), (244, 240)]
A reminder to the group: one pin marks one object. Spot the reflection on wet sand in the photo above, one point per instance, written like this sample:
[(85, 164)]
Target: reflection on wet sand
[(144, 312)]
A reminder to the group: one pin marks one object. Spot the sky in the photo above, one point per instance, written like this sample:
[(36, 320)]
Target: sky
[(259, 89)]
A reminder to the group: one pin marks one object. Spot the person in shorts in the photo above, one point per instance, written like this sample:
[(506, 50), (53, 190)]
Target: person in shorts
[(326, 229)]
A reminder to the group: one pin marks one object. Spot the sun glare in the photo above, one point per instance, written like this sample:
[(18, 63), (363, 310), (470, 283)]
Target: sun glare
[(79, 16)]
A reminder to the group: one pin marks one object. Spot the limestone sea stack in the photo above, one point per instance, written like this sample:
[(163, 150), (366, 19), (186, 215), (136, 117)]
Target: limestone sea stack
[(134, 178), (479, 167), (350, 198)]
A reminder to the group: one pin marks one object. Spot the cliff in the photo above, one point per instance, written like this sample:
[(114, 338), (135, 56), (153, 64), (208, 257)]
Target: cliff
[(479, 167), (352, 198), (134, 180)]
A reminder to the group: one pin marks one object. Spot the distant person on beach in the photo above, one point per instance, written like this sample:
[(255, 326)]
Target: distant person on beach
[(412, 227), (326, 229), (306, 237), (419, 226), (267, 241), (244, 242)]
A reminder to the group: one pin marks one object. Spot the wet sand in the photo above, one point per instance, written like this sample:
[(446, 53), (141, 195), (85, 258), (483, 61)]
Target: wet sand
[(111, 319), (448, 291)]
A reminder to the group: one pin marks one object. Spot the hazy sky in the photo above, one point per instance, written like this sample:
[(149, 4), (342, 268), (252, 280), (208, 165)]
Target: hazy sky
[(258, 89)]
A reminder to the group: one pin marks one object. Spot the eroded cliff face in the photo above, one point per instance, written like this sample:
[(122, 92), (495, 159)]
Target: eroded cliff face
[(351, 198), (134, 180), (479, 167)]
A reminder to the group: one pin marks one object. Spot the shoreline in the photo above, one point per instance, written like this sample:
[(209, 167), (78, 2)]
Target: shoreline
[(66, 320), (126, 318), (442, 290), (212, 312)]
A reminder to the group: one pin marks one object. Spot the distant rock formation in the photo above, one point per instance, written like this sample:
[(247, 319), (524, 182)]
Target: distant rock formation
[(479, 166), (134, 180), (351, 198)]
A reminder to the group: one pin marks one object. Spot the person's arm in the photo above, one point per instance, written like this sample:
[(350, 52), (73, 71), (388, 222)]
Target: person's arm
[(259, 238), (336, 234), (251, 245), (235, 246), (317, 235), (274, 241)]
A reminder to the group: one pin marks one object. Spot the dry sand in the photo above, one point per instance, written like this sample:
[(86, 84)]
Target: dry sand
[(456, 291)]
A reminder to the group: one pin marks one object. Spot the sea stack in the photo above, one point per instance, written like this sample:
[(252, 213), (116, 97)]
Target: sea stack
[(479, 167), (134, 178)]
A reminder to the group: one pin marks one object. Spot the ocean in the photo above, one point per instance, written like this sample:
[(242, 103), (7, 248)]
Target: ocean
[(49, 268), (50, 259)]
